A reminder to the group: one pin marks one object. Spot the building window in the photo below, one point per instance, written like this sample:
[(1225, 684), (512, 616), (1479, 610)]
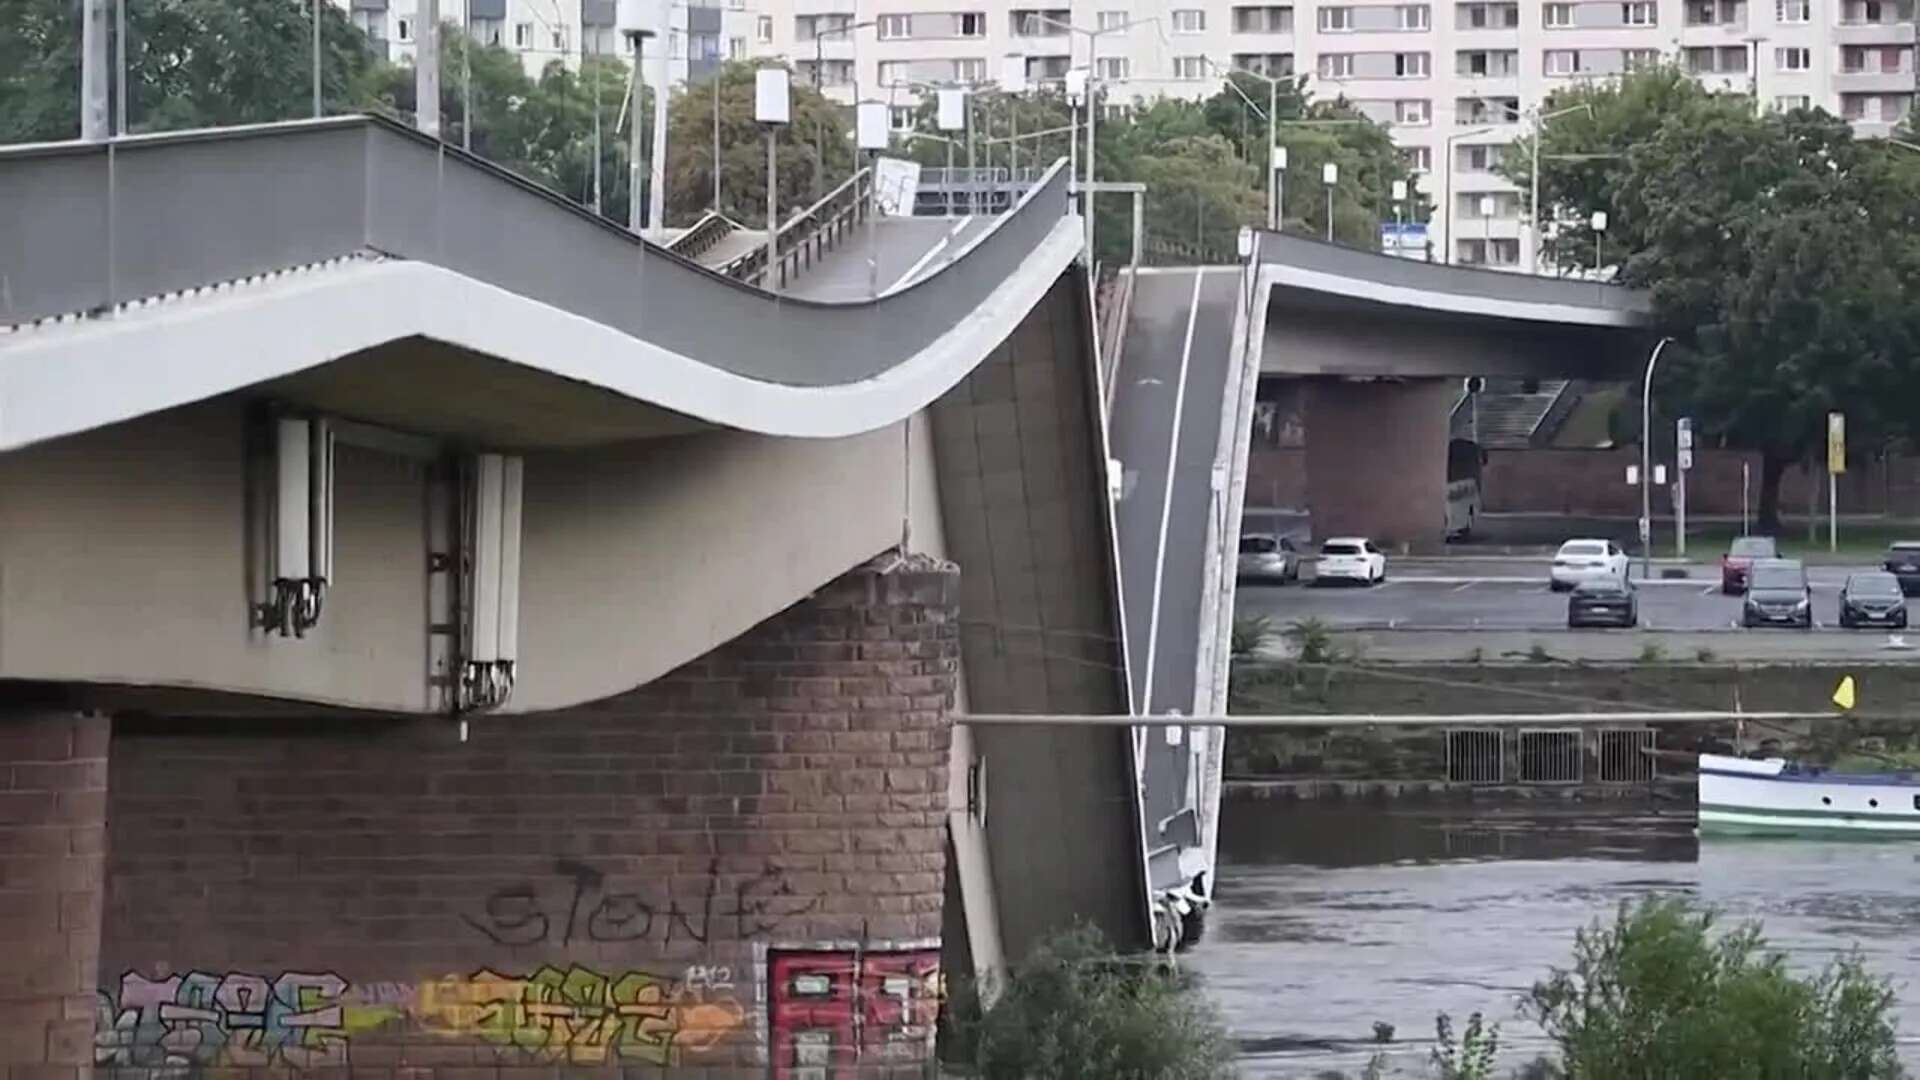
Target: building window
[(1113, 69), (1640, 59), (1639, 13), (1189, 21), (1118, 114), (1557, 16), (1790, 102), (971, 69), (1487, 16), (900, 117), (403, 29), (892, 72), (1189, 67), (559, 38), (1484, 63), (1793, 11), (1793, 58), (737, 48), (1478, 159), (893, 27), (1410, 65), (1336, 65), (1336, 18), (1563, 61), (970, 24), (1413, 16), (1417, 158), (1263, 20), (1112, 20), (737, 5), (1412, 112), (763, 27), (1271, 64)]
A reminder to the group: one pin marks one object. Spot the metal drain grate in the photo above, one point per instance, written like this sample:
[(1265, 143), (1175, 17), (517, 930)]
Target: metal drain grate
[(1475, 756), (1551, 756), (1620, 760)]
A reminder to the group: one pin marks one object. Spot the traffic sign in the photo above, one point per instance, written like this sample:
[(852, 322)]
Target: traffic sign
[(1836, 443)]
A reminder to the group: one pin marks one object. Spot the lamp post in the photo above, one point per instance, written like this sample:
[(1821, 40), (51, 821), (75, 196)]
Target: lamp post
[(772, 108), (1276, 153), (819, 62), (1330, 175), (870, 131), (1487, 206), (1399, 215), (1646, 461), (950, 115), (1093, 104), (1599, 223), (1533, 202), (1446, 190), (638, 38)]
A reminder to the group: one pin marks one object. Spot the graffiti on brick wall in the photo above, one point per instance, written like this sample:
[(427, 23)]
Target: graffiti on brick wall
[(830, 1012), (578, 1016), (576, 904), (574, 1016), (293, 1019)]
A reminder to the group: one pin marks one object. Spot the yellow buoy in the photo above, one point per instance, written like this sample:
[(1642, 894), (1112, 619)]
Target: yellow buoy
[(1843, 694)]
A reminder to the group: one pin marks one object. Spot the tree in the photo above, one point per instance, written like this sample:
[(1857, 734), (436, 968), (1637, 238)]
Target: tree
[(1778, 251), (815, 151), (190, 63)]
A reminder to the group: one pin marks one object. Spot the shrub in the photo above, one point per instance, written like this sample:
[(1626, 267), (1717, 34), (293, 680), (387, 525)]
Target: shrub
[(1659, 994), (1075, 1009), (1312, 641), (1251, 634)]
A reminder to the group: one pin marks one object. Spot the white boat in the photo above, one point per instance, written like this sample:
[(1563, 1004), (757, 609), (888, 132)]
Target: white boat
[(1778, 797)]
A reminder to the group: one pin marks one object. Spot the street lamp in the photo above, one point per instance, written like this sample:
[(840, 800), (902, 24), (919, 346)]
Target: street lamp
[(1599, 224), (870, 129), (1533, 203), (772, 107), (1646, 457), (1093, 69), (639, 39), (1276, 153), (950, 115), (1446, 189), (1486, 222), (1330, 175), (1399, 215), (819, 62)]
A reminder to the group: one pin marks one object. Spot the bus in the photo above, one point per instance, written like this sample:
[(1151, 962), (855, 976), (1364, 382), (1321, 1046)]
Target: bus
[(1464, 459)]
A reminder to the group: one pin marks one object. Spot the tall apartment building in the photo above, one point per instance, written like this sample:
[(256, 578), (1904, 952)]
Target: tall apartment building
[(697, 36), (1453, 80)]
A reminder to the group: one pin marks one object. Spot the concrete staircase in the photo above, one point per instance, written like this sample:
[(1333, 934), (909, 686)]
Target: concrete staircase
[(1512, 414)]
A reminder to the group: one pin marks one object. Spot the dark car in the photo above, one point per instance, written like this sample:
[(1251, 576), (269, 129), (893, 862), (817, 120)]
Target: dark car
[(1903, 562), (1603, 602), (1777, 595), (1740, 557), (1873, 599)]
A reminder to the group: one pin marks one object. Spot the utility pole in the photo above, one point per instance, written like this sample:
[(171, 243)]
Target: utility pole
[(657, 178), (639, 39), (95, 123), (426, 67)]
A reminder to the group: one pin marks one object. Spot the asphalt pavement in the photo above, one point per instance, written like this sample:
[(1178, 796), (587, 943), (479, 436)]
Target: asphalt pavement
[(906, 249), (1446, 608)]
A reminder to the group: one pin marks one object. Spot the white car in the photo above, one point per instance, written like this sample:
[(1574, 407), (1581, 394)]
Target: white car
[(1586, 560), (1350, 558)]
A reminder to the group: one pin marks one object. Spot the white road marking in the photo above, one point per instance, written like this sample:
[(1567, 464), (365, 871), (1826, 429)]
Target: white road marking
[(1462, 587), (1709, 590), (1166, 502), (931, 254)]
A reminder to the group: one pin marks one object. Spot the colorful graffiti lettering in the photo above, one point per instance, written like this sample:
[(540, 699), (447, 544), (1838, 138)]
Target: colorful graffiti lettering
[(581, 1017), (835, 1010), (295, 1019)]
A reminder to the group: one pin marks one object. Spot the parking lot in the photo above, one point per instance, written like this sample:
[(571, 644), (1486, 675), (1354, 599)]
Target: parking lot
[(1484, 594)]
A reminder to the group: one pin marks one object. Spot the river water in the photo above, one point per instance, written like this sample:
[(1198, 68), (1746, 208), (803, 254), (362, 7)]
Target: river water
[(1332, 917)]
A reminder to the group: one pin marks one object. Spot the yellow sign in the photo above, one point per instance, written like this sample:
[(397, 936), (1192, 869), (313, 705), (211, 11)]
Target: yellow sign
[(1843, 694), (1836, 443)]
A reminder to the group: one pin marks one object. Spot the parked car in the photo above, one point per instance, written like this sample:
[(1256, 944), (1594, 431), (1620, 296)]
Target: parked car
[(1603, 602), (1264, 557), (1777, 595), (1873, 598), (1903, 562), (1586, 560), (1740, 557), (1350, 558)]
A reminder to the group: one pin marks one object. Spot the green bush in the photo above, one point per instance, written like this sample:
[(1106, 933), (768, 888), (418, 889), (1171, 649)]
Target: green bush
[(1076, 1009), (1660, 995)]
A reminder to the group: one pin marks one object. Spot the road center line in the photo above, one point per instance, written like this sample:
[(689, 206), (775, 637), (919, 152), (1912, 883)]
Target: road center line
[(1462, 587), (932, 252), (1166, 498)]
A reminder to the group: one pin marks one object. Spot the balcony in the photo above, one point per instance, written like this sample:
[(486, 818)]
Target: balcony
[(1873, 80), (1874, 33)]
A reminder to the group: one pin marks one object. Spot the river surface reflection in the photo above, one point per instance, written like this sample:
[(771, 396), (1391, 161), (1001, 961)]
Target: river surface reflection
[(1331, 917)]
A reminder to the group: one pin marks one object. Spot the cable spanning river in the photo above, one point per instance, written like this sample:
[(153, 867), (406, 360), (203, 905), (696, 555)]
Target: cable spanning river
[(1332, 917)]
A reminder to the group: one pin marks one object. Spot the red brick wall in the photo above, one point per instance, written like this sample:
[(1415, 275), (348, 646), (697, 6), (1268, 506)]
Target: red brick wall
[(1595, 482), (1276, 478), (621, 886), (1377, 460), (53, 778)]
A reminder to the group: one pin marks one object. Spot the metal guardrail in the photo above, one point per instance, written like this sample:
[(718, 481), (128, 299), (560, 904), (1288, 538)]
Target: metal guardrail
[(88, 227), (809, 234), (703, 236)]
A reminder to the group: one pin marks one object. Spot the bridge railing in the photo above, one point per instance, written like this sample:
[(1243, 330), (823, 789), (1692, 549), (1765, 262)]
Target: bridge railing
[(87, 228), (809, 234)]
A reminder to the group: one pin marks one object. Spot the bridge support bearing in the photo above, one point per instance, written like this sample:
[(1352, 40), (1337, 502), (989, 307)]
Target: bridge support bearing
[(1377, 460)]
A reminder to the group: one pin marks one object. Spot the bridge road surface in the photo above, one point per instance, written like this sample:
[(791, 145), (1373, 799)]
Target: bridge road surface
[(907, 249), (1168, 405)]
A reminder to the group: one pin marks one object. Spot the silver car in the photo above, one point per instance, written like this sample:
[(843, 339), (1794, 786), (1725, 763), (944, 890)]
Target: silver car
[(1265, 557)]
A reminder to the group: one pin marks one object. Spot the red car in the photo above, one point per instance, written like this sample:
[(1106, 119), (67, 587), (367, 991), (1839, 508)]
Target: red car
[(1739, 559)]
